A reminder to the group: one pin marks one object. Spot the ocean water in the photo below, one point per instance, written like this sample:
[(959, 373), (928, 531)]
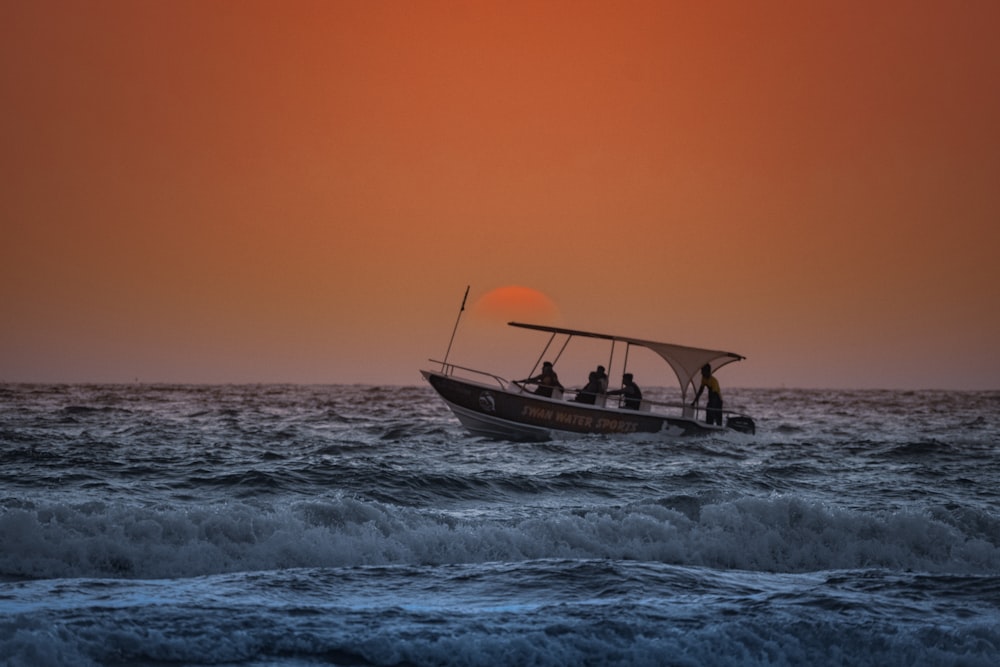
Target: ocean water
[(359, 525)]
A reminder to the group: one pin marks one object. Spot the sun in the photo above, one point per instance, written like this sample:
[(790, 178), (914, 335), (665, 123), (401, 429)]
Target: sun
[(516, 303)]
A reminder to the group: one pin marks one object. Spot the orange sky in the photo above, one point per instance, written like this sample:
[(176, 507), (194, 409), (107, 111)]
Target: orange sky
[(229, 191)]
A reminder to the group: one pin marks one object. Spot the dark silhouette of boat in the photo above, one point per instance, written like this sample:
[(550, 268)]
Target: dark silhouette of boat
[(490, 405)]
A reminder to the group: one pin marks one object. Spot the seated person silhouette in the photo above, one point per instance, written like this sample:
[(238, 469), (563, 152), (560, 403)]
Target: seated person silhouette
[(630, 391), (547, 380), (589, 393)]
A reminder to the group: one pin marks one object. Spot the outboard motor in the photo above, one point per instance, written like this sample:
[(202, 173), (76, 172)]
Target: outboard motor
[(741, 423)]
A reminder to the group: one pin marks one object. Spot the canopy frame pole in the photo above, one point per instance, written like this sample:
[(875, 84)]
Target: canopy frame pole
[(545, 351), (611, 359), (562, 349)]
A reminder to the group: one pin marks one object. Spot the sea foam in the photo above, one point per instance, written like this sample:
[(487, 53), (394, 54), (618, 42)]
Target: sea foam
[(777, 534)]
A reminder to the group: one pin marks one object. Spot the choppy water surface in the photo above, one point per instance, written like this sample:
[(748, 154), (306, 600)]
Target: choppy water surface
[(355, 525)]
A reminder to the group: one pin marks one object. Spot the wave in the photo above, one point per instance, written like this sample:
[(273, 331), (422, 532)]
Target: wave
[(779, 534), (548, 612)]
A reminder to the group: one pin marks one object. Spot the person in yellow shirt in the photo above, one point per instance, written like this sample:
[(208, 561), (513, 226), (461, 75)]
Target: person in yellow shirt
[(713, 410)]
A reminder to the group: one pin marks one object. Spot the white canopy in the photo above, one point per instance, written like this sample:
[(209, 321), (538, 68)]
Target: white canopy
[(685, 361)]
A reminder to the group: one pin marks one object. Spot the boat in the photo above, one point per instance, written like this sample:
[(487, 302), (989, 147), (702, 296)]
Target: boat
[(490, 405)]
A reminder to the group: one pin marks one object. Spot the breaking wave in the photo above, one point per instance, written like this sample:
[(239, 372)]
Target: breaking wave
[(779, 534)]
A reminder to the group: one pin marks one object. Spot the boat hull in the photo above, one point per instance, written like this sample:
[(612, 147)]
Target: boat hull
[(518, 415)]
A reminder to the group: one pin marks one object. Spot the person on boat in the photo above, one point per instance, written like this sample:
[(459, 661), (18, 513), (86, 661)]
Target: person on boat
[(547, 380), (602, 378), (630, 391), (589, 393), (713, 411)]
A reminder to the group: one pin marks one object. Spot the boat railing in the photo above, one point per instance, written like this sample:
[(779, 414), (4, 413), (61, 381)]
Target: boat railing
[(687, 410), (449, 369), (650, 405), (697, 412)]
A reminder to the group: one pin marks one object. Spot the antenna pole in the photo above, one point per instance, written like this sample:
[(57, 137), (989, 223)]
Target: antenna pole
[(455, 329)]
